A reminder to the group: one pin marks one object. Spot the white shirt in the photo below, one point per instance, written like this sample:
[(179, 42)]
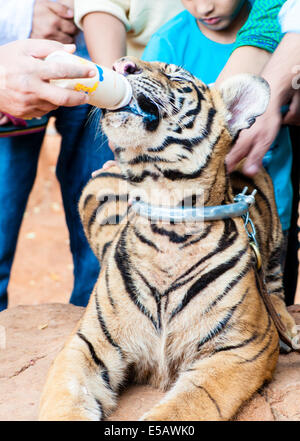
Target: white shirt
[(15, 20), (141, 18), (289, 16), (16, 23)]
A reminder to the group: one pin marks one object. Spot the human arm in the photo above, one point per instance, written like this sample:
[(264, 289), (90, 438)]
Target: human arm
[(280, 74), (256, 40), (105, 25), (245, 59), (105, 47), (283, 75), (25, 90), (289, 20)]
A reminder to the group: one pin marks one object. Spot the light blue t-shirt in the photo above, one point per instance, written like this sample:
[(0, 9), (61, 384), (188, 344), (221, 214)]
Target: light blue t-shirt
[(181, 42)]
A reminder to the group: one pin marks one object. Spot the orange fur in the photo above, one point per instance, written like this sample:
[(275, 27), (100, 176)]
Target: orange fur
[(181, 311)]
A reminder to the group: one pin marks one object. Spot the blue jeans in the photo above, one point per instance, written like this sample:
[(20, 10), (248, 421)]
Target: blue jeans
[(81, 153)]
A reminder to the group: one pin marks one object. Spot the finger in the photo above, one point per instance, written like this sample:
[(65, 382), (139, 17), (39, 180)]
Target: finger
[(60, 10), (42, 48), (261, 143), (254, 160), (293, 115), (3, 119), (237, 153), (252, 166), (54, 70), (106, 166), (45, 107), (288, 119), (34, 106), (29, 114), (62, 37), (71, 48), (35, 110), (109, 164), (36, 113), (67, 27), (96, 172), (61, 97)]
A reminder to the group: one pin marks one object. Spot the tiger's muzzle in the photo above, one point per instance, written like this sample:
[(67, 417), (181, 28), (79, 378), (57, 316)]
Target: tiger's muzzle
[(141, 104)]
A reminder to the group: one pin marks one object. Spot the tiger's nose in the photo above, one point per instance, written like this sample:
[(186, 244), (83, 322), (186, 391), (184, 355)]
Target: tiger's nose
[(125, 67)]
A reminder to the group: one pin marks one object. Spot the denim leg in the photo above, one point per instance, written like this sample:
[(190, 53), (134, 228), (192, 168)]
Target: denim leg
[(18, 165), (81, 153)]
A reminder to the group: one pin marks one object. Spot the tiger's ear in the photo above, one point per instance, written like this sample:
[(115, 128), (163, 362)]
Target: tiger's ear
[(246, 97)]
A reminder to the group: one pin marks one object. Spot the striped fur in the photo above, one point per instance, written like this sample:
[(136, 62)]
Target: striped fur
[(179, 311)]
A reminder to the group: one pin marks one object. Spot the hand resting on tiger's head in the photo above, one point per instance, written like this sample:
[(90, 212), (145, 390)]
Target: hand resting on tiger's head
[(179, 311)]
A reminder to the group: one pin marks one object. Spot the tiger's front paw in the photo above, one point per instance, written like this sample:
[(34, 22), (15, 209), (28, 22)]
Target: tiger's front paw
[(286, 318), (289, 322)]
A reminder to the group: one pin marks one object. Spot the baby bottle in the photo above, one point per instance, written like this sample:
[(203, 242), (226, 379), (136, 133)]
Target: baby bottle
[(107, 89)]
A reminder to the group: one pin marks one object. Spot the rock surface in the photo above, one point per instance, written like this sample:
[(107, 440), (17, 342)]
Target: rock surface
[(31, 336)]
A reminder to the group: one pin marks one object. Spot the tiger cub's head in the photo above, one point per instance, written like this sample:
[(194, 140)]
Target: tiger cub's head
[(175, 126)]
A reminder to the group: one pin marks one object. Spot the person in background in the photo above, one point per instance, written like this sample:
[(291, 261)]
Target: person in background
[(35, 19), (81, 151), (282, 71), (128, 24), (19, 155)]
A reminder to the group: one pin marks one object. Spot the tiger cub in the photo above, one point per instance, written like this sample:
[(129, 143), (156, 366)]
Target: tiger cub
[(176, 304)]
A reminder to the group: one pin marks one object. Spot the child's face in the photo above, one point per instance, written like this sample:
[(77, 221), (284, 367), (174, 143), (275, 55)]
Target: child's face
[(214, 14)]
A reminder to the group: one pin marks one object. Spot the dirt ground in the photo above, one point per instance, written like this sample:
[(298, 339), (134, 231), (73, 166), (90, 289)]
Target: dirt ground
[(42, 270)]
